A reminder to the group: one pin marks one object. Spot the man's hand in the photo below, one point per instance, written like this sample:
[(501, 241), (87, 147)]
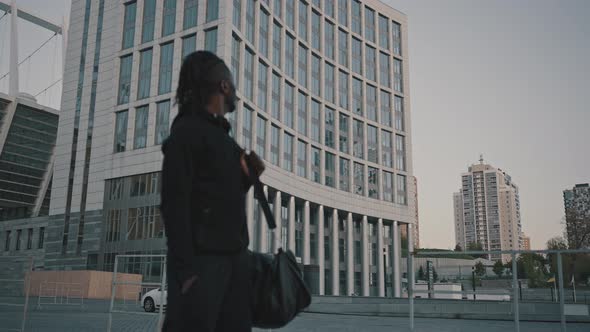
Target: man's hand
[(186, 285), (254, 160)]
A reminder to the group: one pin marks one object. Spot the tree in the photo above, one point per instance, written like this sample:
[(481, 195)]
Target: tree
[(480, 270), (532, 267), (498, 268), (458, 247), (476, 246), (421, 273), (434, 275)]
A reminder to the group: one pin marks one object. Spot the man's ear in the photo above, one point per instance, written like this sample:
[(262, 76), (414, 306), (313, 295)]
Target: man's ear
[(225, 87)]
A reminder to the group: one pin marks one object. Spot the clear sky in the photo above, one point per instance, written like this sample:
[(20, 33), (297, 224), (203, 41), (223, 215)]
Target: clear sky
[(506, 78)]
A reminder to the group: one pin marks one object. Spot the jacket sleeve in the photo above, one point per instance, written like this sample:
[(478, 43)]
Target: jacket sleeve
[(177, 181)]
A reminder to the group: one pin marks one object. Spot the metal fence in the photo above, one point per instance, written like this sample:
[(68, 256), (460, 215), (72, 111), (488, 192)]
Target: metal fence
[(523, 266), (14, 290)]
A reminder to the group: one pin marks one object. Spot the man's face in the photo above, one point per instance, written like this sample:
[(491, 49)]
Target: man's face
[(229, 96)]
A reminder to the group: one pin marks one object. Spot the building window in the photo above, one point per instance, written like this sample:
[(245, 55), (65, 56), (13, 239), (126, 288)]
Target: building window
[(290, 14), (372, 147), (373, 183), (125, 79), (315, 120), (41, 241), (386, 149), (329, 7), (249, 75), (357, 56), (247, 129), (358, 136), (383, 32), (356, 16), (250, 12), (313, 246), (288, 152), (329, 82), (343, 12), (344, 133), (400, 152), (384, 69), (397, 39), (388, 186), (315, 30), (212, 10), (262, 87), (18, 238), (169, 21), (370, 24), (145, 74), (276, 44), (237, 14), (330, 170), (231, 118), (397, 75), (371, 103), (329, 128), (399, 113), (235, 60), (371, 64), (315, 75), (343, 48), (141, 123), (290, 57), (302, 60), (359, 179), (189, 45), (344, 174), (343, 90), (276, 96), (261, 137), (144, 223), (302, 159), (29, 239), (190, 14), (303, 20), (149, 20), (162, 121), (120, 131), (357, 96), (129, 25), (315, 165), (289, 111), (278, 8), (166, 58), (263, 40), (113, 226), (274, 145), (7, 241), (211, 40), (385, 109), (302, 114), (329, 40), (401, 195)]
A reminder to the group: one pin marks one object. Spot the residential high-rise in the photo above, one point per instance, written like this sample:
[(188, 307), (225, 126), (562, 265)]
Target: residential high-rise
[(487, 210), (323, 98), (526, 242), (577, 215)]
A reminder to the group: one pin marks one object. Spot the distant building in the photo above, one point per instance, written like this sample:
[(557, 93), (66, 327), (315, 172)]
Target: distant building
[(577, 215), (487, 210), (526, 242)]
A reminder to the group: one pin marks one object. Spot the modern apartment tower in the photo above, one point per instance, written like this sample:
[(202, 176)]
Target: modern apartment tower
[(487, 210), (323, 98), (577, 215)]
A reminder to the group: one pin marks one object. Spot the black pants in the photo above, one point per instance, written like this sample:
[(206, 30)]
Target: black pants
[(219, 301)]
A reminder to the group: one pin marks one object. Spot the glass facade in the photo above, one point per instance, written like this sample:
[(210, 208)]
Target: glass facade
[(343, 48), (400, 152), (401, 194), (384, 70), (330, 170), (235, 60), (165, 75), (261, 137), (329, 82), (383, 32), (141, 126), (211, 40), (397, 76), (190, 14), (370, 24), (263, 35), (162, 121), (372, 147), (397, 39), (315, 120), (237, 14), (329, 41), (145, 74), (315, 75), (371, 64), (344, 140), (315, 165), (329, 128), (358, 137), (149, 20), (289, 109), (189, 45), (344, 174), (275, 136), (302, 114), (262, 85), (388, 186), (302, 159), (371, 102), (290, 14), (125, 79), (288, 152), (129, 25), (277, 33), (250, 14), (249, 75), (120, 131), (212, 10), (357, 56), (290, 56), (343, 90), (276, 96), (385, 108), (316, 36), (373, 183), (343, 12), (386, 149), (355, 10), (302, 61), (247, 128), (359, 179), (303, 20)]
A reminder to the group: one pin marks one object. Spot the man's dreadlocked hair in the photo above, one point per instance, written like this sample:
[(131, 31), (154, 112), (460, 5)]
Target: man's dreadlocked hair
[(200, 74)]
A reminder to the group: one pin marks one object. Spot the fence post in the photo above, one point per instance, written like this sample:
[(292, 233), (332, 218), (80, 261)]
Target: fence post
[(410, 274), (27, 283), (515, 293), (113, 293), (561, 292), (162, 297)]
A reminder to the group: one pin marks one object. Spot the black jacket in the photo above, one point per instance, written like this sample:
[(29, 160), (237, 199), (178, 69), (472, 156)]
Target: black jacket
[(203, 191)]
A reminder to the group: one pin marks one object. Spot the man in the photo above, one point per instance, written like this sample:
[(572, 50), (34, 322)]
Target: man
[(204, 184)]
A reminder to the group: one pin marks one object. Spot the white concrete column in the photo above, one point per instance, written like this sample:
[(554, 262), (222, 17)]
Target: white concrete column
[(277, 233), (349, 255), (250, 216), (335, 254), (263, 229), (365, 257), (396, 260), (321, 260), (380, 263), (306, 234), (291, 232)]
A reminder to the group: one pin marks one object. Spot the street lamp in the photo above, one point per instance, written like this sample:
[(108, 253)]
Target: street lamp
[(473, 276)]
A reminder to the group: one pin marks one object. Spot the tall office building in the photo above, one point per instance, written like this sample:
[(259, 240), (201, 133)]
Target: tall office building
[(323, 98), (577, 215), (487, 210)]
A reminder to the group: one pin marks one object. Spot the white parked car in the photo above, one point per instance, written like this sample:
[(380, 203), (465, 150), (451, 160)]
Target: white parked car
[(151, 300)]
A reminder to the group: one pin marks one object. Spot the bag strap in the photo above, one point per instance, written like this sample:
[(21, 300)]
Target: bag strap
[(260, 196)]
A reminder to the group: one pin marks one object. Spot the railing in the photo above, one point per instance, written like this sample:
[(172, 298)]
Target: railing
[(60, 293)]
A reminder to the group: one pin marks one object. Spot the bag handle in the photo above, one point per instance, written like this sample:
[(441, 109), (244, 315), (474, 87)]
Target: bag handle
[(260, 196)]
